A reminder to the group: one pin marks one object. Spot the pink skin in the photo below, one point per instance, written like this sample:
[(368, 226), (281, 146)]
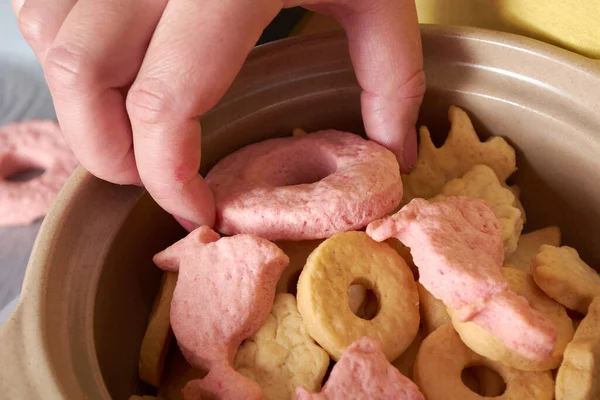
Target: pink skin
[(129, 103), (267, 188), (25, 145), (364, 373), (457, 246), (224, 293)]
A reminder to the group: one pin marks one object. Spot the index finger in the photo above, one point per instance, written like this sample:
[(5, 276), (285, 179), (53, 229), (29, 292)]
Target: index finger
[(198, 48), (385, 46)]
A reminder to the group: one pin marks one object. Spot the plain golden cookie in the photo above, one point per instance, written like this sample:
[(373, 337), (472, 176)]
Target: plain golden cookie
[(353, 258), (516, 190), (157, 338), (529, 245), (281, 356), (433, 311), (404, 253), (565, 277), (406, 362), (442, 358), (484, 343), (578, 377), (461, 151)]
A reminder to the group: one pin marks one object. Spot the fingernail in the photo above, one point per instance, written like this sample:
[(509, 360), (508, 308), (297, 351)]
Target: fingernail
[(187, 225), (409, 152)]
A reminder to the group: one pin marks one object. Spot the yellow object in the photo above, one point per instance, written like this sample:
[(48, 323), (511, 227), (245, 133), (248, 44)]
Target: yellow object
[(157, 338), (529, 245), (570, 24), (443, 357), (461, 151), (577, 377), (564, 276), (281, 355), (353, 258), (433, 311), (487, 345)]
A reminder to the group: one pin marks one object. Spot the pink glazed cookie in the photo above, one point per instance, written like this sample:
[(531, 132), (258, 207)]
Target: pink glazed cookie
[(305, 187), (457, 246), (224, 382), (364, 373), (27, 145), (224, 293)]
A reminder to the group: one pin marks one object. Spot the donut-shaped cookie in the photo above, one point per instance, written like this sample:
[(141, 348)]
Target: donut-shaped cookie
[(32, 145), (305, 187), (484, 343), (353, 258), (442, 358)]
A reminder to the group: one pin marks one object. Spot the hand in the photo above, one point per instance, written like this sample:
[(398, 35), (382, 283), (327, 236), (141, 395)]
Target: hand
[(129, 80)]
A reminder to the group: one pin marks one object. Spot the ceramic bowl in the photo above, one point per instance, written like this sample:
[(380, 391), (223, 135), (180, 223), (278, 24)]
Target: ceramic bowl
[(90, 283)]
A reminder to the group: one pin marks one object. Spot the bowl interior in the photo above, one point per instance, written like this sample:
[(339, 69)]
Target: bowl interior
[(508, 90)]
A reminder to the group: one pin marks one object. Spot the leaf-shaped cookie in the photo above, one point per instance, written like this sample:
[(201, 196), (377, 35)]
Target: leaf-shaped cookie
[(565, 277), (577, 377), (461, 151)]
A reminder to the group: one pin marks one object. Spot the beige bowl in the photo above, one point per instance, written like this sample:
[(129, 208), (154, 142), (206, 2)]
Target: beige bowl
[(90, 283)]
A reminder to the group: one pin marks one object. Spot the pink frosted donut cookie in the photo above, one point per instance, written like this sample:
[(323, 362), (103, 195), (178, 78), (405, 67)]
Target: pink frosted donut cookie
[(457, 246), (305, 187), (27, 145), (363, 372)]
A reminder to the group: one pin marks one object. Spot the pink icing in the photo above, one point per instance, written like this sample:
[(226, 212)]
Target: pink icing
[(223, 382), (457, 246), (363, 372), (25, 145), (308, 187), (224, 293), (521, 328)]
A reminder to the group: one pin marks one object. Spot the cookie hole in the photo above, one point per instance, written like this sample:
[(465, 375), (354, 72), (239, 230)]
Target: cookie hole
[(306, 175), (299, 167), (16, 169), (483, 380), (293, 283), (25, 175), (328, 372), (363, 301)]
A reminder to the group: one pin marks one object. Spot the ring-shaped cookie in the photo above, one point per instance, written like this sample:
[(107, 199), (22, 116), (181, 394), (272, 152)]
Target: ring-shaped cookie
[(442, 358), (353, 258), (32, 145), (305, 187), (484, 343)]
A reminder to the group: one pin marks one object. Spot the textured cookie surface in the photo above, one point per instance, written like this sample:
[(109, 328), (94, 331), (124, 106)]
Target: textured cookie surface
[(564, 276), (281, 356), (462, 151)]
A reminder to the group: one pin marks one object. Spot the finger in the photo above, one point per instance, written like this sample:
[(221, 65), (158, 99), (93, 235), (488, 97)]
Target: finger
[(198, 48), (98, 51), (385, 46), (40, 21)]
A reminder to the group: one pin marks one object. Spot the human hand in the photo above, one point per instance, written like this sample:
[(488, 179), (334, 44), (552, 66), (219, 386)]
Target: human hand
[(129, 80)]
